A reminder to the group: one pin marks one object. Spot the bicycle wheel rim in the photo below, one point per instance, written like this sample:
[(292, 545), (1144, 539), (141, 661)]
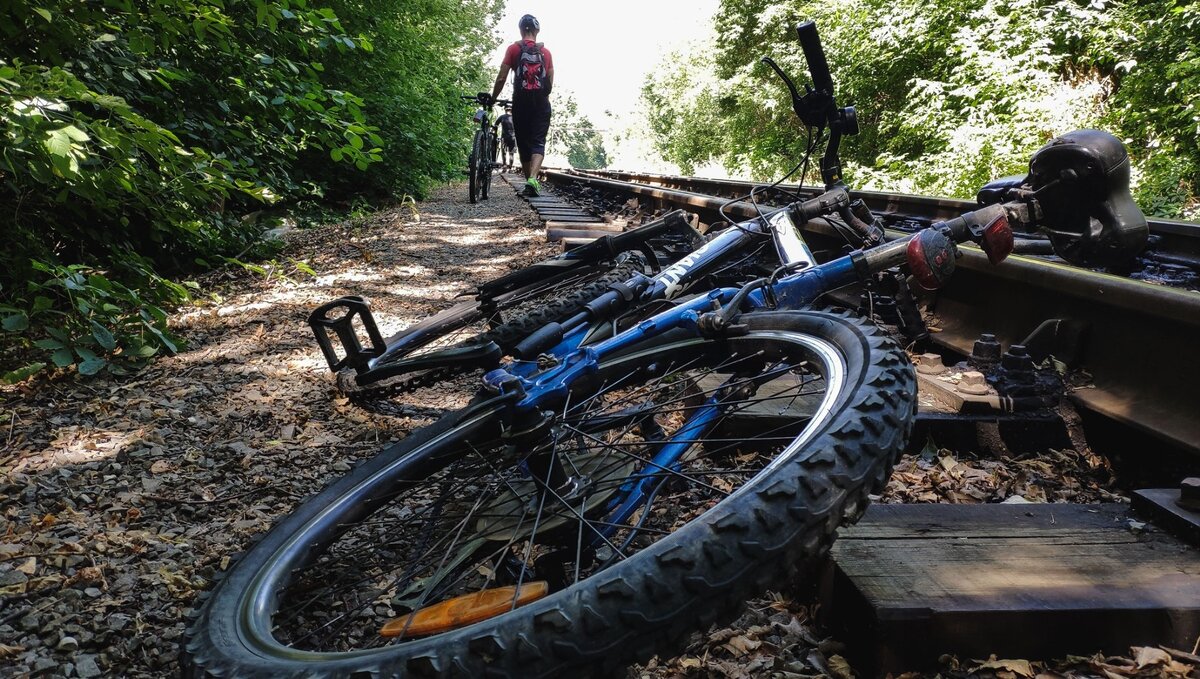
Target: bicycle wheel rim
[(255, 618)]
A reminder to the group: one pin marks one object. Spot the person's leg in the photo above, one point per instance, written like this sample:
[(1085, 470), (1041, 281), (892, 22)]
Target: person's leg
[(540, 122), (521, 130)]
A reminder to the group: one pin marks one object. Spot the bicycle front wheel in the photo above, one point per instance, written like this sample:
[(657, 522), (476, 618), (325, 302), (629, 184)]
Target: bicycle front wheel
[(581, 545), (485, 166), (473, 163)]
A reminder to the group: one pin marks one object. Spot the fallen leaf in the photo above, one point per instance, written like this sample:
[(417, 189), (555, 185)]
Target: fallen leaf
[(741, 645), (7, 651), (1145, 656), (160, 467), (1020, 667), (840, 668), (28, 566)]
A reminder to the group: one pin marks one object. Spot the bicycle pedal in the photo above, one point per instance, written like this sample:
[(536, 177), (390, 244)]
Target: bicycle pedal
[(326, 327)]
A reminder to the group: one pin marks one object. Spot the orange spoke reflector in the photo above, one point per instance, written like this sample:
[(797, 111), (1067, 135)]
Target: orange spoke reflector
[(464, 610)]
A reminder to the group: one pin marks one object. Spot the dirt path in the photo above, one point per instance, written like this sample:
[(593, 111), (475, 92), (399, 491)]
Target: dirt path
[(121, 497)]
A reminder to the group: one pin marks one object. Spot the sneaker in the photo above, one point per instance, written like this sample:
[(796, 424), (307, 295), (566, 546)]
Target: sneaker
[(532, 188)]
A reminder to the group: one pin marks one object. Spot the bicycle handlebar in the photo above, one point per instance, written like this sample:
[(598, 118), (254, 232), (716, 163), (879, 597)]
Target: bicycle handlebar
[(483, 99), (814, 54)]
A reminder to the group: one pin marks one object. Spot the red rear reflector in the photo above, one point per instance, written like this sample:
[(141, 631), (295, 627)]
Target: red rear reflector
[(997, 240)]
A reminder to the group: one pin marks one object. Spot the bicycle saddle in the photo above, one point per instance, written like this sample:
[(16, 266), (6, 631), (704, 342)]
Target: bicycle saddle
[(1081, 180)]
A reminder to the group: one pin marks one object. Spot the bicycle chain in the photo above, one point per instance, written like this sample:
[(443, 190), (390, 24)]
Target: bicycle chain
[(379, 399)]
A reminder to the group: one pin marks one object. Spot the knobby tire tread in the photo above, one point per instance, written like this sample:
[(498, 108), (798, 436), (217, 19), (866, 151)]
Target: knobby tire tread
[(702, 573)]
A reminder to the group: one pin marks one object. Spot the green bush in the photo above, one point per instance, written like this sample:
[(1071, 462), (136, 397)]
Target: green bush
[(87, 320), (135, 136), (950, 93)]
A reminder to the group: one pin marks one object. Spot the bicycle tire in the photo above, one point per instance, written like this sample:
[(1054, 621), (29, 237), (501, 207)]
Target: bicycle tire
[(699, 572), (485, 167), (473, 168)]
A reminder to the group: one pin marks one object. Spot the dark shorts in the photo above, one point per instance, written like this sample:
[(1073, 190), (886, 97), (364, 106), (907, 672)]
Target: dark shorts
[(531, 122), (509, 139)]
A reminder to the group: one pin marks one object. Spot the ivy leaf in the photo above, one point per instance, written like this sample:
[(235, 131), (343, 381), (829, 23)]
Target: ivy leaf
[(44, 13), (50, 344), (63, 358)]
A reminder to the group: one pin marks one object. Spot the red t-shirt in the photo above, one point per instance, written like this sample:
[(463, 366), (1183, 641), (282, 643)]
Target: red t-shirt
[(514, 52)]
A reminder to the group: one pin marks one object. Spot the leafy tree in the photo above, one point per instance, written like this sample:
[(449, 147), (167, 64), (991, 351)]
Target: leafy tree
[(135, 136), (949, 93), (573, 135)]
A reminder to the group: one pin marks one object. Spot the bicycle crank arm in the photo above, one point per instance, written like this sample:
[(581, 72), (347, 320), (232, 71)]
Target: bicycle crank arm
[(483, 355)]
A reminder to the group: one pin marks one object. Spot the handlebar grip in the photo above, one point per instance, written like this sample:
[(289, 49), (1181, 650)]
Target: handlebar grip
[(814, 54), (825, 204)]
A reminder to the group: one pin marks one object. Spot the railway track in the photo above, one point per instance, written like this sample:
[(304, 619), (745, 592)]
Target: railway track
[(1136, 338)]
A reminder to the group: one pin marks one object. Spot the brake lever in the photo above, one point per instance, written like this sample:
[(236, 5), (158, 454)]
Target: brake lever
[(786, 80), (809, 107)]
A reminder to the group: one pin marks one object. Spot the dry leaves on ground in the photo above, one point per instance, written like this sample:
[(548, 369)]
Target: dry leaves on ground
[(1053, 476), (121, 498)]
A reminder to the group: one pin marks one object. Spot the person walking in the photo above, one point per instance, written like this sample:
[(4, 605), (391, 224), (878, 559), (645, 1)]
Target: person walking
[(533, 77), (507, 136)]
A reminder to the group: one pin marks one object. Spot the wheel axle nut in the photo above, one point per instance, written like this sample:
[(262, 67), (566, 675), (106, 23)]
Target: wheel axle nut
[(973, 382), (930, 364)]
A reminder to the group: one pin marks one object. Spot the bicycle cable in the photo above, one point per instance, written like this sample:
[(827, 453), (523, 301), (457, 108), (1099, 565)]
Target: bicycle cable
[(810, 146)]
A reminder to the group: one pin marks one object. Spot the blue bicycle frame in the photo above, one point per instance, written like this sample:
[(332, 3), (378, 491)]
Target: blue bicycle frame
[(532, 390)]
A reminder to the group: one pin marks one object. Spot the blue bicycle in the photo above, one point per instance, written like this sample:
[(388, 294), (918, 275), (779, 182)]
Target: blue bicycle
[(638, 482)]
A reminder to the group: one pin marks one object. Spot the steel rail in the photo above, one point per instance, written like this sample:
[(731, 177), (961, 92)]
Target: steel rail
[(909, 205), (1140, 337)]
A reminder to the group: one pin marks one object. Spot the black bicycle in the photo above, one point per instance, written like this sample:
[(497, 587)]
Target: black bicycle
[(483, 149)]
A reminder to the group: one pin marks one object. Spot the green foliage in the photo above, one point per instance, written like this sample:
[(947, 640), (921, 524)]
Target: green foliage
[(573, 135), (1154, 59), (84, 319), (134, 136), (426, 53), (681, 108), (950, 93)]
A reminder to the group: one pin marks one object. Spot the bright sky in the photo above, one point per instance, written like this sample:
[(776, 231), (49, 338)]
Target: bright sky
[(603, 49)]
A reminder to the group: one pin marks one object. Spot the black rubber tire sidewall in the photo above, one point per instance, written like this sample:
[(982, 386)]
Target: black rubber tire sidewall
[(473, 170), (683, 582)]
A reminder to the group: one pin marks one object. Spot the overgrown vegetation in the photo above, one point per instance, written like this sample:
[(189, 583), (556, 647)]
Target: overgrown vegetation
[(950, 93), (135, 138), (573, 135)]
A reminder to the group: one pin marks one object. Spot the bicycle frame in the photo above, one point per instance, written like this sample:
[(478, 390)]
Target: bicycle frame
[(531, 393)]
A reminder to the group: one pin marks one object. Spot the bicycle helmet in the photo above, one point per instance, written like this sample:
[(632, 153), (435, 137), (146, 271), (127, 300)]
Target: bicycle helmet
[(529, 24)]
